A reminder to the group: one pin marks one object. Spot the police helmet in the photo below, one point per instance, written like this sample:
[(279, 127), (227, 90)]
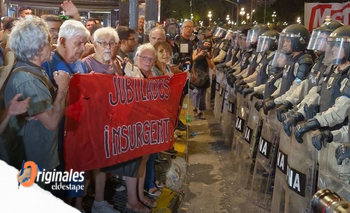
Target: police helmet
[(338, 46), (298, 35), (219, 32), (268, 41), (255, 32), (320, 34)]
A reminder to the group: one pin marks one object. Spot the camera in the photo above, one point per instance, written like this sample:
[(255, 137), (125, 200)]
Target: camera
[(327, 201)]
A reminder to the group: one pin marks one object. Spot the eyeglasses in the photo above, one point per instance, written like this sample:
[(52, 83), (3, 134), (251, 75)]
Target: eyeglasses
[(105, 44), (147, 59)]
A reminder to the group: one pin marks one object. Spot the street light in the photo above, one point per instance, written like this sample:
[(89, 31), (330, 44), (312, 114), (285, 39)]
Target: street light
[(228, 19), (242, 13), (209, 15), (251, 15), (274, 16), (298, 20), (232, 10)]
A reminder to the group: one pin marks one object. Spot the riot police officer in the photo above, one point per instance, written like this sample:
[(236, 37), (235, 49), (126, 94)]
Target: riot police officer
[(293, 42), (334, 92), (317, 43), (267, 45), (224, 48)]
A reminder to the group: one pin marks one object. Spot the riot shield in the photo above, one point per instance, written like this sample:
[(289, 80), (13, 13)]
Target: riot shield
[(220, 89), (280, 184), (264, 169), (331, 175), (240, 119), (228, 113), (301, 174), (247, 157)]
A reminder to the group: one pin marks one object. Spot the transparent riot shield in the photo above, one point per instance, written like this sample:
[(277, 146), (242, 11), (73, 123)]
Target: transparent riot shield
[(220, 89), (240, 122), (228, 113), (301, 174), (280, 184), (331, 175), (247, 157), (264, 169)]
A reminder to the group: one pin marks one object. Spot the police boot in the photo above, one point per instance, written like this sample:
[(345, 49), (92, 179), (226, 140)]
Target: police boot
[(292, 121), (342, 152), (247, 91), (321, 139), (311, 124), (268, 105), (282, 109), (258, 95)]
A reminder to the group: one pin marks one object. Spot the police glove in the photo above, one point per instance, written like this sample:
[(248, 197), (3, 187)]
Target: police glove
[(292, 121), (268, 105), (258, 105), (300, 129), (258, 95), (311, 110), (247, 91), (242, 87), (321, 139), (230, 80), (342, 152), (282, 109), (221, 65), (238, 83)]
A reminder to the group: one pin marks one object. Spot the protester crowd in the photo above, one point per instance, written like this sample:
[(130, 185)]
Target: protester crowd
[(302, 77), (44, 54)]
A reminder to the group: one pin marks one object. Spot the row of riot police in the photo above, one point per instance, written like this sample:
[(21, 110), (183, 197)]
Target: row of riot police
[(284, 100)]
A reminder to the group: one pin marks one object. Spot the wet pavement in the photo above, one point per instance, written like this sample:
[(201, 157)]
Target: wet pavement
[(211, 184)]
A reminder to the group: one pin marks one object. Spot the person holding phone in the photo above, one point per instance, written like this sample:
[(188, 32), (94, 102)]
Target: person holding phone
[(203, 60)]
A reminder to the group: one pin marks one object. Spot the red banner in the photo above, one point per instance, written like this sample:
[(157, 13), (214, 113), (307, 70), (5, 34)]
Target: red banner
[(315, 13), (113, 119)]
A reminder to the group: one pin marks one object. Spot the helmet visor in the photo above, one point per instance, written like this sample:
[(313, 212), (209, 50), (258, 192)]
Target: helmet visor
[(229, 34), (242, 42), (285, 44), (219, 32), (252, 36), (263, 44), (279, 59), (318, 40), (337, 51)]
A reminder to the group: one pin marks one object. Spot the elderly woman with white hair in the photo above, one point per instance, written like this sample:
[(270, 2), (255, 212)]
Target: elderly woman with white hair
[(105, 41), (30, 41)]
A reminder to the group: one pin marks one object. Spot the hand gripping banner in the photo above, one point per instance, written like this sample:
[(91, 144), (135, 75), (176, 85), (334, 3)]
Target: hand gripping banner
[(112, 119)]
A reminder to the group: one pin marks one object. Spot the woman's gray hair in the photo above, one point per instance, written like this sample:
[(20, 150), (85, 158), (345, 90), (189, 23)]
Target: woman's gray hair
[(141, 49), (106, 31), (72, 28), (28, 37)]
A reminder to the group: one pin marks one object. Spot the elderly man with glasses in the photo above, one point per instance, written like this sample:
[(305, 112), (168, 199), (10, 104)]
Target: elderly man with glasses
[(105, 42)]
